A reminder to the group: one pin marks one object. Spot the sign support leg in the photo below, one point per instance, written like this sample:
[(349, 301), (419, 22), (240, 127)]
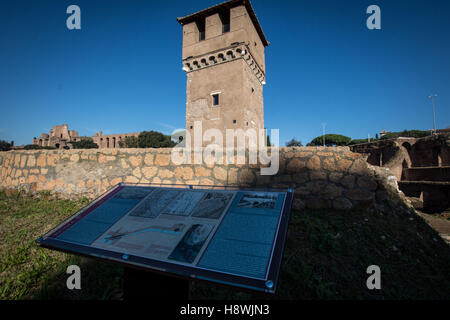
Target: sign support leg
[(143, 285)]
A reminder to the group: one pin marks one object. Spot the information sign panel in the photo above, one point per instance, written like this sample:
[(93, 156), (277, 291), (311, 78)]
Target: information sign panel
[(232, 236)]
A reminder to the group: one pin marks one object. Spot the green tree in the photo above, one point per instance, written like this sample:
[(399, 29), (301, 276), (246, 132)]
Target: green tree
[(406, 133), (331, 140), (154, 139), (5, 146), (129, 142), (294, 143), (268, 141), (85, 143)]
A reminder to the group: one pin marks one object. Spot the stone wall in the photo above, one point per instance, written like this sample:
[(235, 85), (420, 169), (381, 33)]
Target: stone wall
[(321, 177)]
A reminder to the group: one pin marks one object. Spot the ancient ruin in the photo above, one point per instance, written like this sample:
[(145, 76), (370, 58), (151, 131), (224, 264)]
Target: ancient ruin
[(223, 57), (111, 141), (59, 137), (421, 166)]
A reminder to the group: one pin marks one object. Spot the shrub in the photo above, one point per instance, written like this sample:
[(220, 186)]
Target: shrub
[(85, 143), (5, 146), (32, 147), (154, 139), (294, 143), (406, 133), (330, 140), (129, 142)]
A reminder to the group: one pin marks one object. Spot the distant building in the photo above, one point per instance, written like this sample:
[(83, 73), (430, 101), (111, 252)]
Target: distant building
[(59, 137), (383, 133), (111, 141)]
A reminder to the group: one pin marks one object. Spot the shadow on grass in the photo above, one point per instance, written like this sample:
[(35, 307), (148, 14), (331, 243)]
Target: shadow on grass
[(99, 281)]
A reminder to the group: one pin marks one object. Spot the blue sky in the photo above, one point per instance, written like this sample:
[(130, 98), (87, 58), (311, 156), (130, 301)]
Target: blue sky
[(122, 71)]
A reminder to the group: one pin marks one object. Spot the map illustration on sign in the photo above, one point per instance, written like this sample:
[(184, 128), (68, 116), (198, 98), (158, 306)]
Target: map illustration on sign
[(189, 247), (183, 203), (261, 200), (154, 203), (212, 205)]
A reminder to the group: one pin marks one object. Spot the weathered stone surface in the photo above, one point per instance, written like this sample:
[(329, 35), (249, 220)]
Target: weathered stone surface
[(246, 176), (164, 173), (23, 161), (17, 160), (50, 185), (335, 176), (124, 164), (262, 180), (206, 182), (295, 165), (302, 190), (367, 182), (343, 164), (220, 173), (148, 159), (131, 179), (137, 172), (317, 203), (328, 164), (52, 160), (318, 175), (184, 173), (359, 167), (313, 163), (348, 181), (331, 191), (31, 161), (342, 203), (75, 158), (59, 183), (101, 158), (202, 172), (116, 181), (301, 177), (149, 172), (41, 161), (359, 195), (233, 176), (162, 159), (135, 161), (336, 180)]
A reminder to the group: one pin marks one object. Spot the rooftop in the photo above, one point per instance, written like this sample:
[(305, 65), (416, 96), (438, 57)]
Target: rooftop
[(227, 5)]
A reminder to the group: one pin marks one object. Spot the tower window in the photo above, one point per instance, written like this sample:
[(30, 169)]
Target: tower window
[(234, 121), (215, 99), (190, 127), (201, 29), (225, 18)]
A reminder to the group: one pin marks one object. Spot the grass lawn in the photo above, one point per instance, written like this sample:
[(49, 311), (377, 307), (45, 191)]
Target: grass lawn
[(326, 256)]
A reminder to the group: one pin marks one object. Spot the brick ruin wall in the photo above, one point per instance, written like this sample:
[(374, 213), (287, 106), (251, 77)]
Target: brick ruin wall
[(321, 177)]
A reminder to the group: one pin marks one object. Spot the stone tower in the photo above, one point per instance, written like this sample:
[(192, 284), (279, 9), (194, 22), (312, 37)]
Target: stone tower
[(223, 57)]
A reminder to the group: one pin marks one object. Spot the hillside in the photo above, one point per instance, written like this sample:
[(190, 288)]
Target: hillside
[(326, 256)]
